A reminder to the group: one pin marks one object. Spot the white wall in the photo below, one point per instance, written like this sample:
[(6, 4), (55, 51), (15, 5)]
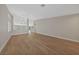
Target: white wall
[(4, 18), (64, 26)]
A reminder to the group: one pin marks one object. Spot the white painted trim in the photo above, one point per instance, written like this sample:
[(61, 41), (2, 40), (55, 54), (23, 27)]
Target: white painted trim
[(65, 38), (5, 43), (60, 37)]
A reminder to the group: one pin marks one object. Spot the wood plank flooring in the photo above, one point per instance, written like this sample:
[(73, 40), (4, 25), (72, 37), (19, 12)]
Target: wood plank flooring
[(38, 44)]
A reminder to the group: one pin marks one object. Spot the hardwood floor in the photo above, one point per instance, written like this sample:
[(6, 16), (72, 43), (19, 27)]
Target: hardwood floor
[(38, 44)]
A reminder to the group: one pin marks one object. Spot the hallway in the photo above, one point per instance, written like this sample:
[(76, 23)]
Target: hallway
[(38, 44)]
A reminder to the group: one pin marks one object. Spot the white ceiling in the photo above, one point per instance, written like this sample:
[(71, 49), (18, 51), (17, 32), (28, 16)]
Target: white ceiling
[(37, 12)]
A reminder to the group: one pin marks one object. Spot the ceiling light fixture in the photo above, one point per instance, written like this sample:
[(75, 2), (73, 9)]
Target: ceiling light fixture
[(42, 5)]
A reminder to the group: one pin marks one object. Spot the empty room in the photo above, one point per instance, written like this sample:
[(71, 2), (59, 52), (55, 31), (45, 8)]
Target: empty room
[(39, 29)]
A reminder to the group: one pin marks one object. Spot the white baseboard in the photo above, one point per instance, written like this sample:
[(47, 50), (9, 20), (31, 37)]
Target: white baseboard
[(66, 38), (60, 37), (5, 43)]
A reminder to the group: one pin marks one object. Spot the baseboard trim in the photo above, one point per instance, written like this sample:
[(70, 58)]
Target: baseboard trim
[(66, 38), (4, 44), (59, 37)]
